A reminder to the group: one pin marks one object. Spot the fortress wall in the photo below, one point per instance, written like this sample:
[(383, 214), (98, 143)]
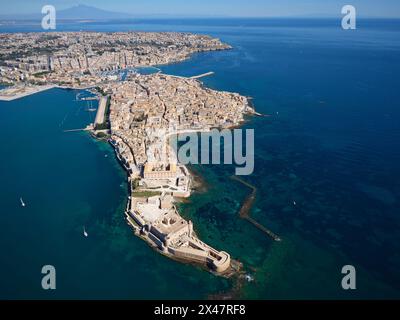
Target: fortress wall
[(194, 255), (138, 219), (157, 241)]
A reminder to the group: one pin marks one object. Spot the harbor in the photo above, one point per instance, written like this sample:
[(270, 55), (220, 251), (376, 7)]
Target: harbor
[(137, 113)]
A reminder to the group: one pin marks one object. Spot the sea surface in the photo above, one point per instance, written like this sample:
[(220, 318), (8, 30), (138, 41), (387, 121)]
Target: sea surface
[(327, 173)]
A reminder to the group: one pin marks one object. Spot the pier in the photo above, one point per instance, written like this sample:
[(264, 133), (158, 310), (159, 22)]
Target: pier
[(77, 130), (87, 99), (244, 212), (203, 75), (88, 128), (193, 77), (101, 111)]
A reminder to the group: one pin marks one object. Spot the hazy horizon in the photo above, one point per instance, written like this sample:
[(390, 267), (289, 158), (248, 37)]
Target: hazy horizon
[(209, 8)]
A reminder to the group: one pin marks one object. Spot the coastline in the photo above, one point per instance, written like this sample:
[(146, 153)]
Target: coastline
[(235, 266), (173, 236), (217, 262), (31, 90), (303, 154)]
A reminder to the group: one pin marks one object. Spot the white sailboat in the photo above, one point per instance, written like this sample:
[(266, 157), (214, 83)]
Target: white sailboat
[(85, 233), (22, 202)]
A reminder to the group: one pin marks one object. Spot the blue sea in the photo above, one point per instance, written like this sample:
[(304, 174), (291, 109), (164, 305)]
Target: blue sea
[(327, 173)]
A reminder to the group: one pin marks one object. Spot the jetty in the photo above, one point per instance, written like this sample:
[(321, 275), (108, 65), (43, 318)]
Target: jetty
[(77, 130), (101, 111), (244, 212), (88, 128), (192, 77), (203, 75)]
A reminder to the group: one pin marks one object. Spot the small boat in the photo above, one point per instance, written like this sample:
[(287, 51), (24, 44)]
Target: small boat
[(294, 203), (22, 202), (249, 278), (85, 233)]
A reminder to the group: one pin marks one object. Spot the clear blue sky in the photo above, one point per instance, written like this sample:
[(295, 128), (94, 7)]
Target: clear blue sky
[(249, 8)]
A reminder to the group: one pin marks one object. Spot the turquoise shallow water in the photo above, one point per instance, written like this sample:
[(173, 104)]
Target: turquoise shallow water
[(69, 181), (331, 144)]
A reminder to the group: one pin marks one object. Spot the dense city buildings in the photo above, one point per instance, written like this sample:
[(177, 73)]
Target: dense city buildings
[(87, 58), (138, 114)]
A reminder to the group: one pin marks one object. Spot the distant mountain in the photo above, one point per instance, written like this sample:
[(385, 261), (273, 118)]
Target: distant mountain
[(79, 12), (83, 12)]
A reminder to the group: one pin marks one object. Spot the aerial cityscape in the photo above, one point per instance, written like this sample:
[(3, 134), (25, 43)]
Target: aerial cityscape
[(124, 130), (141, 110)]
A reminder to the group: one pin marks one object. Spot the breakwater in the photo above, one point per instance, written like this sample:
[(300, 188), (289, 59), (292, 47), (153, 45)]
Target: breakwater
[(244, 211)]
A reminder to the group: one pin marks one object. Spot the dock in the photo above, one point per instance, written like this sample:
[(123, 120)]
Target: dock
[(244, 212), (87, 99), (101, 111)]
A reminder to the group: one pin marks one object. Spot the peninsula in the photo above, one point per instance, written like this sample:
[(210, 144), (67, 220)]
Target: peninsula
[(137, 114)]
